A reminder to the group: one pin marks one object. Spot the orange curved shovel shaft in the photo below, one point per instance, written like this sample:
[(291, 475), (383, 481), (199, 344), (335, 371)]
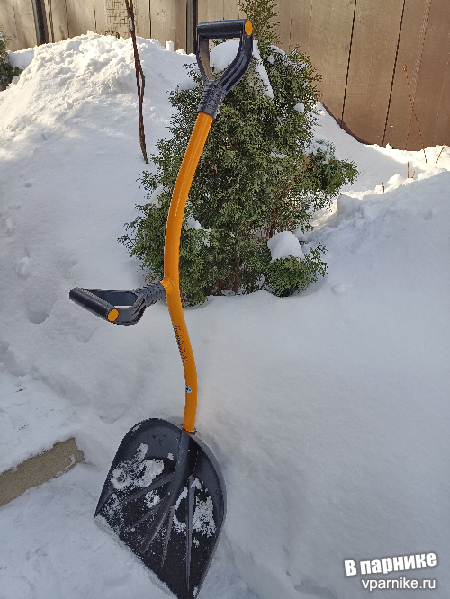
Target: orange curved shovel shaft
[(171, 281)]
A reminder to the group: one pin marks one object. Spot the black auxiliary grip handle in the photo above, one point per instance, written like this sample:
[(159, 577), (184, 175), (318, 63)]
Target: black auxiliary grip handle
[(118, 307), (215, 90)]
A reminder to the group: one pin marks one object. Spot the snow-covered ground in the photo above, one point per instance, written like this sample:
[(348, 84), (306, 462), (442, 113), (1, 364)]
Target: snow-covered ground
[(328, 411)]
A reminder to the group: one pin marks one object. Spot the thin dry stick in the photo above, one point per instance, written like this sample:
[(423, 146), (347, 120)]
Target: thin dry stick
[(440, 153), (412, 106), (139, 72)]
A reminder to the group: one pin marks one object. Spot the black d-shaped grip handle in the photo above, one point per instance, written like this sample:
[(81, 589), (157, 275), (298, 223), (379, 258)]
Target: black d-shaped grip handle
[(224, 29), (215, 90)]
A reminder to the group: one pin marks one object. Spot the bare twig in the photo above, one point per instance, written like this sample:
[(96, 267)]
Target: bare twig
[(412, 176), (139, 78), (440, 153)]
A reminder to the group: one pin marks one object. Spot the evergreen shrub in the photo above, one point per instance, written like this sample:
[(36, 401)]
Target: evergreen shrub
[(7, 71), (258, 175)]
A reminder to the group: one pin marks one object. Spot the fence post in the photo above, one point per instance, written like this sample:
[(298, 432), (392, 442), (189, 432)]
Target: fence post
[(191, 25), (39, 22)]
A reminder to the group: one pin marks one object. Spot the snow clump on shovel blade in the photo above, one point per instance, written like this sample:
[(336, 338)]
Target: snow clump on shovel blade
[(137, 472)]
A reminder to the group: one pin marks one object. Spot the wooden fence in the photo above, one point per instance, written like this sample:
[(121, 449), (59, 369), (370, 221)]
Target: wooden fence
[(359, 48)]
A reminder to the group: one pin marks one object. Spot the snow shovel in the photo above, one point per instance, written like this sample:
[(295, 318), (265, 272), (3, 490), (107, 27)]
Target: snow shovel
[(164, 496)]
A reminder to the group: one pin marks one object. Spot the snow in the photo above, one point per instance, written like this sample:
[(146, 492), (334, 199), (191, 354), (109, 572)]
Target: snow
[(203, 519), (222, 55), (328, 411), (192, 223), (283, 245), (137, 472), (21, 58)]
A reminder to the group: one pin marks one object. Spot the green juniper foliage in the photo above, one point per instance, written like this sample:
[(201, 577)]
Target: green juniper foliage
[(7, 71), (257, 176)]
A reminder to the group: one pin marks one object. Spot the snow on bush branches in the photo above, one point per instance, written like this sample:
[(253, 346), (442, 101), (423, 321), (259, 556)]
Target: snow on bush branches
[(7, 71)]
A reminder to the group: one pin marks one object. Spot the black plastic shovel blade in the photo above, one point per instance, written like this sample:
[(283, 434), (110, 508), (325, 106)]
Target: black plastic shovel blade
[(164, 497)]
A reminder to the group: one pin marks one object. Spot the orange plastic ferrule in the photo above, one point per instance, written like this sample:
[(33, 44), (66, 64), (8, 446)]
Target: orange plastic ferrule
[(171, 280)]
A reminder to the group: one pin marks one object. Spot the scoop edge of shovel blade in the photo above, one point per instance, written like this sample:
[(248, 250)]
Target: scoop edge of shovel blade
[(165, 498)]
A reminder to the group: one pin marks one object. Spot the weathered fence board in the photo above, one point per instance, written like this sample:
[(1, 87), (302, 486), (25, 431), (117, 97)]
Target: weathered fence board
[(283, 17), (299, 30), (8, 25), (218, 10), (56, 13), (180, 25), (25, 21), (100, 22), (80, 16), (412, 37), (163, 20), (17, 20), (231, 11), (142, 10), (430, 79), (374, 47), (329, 51), (210, 11), (443, 117)]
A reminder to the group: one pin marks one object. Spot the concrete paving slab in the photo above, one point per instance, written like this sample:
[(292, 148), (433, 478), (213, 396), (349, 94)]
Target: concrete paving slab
[(39, 469)]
